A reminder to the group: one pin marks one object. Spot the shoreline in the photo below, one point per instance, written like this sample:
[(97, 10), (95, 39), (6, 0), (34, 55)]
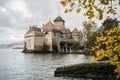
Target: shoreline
[(87, 70)]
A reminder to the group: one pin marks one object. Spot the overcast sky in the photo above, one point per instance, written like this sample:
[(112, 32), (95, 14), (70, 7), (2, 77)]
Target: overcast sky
[(17, 15)]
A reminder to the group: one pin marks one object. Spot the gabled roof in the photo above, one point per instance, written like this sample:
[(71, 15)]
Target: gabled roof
[(80, 32), (49, 25), (68, 29), (75, 30), (33, 28), (59, 18), (62, 28)]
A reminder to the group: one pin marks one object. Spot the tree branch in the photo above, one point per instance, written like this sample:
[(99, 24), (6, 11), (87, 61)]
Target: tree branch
[(119, 2)]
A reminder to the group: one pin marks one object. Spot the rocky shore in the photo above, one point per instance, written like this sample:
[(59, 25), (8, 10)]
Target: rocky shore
[(97, 71)]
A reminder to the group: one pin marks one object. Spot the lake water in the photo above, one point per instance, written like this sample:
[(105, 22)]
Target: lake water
[(15, 65)]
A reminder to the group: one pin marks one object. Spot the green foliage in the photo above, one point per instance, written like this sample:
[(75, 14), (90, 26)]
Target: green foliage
[(81, 47), (89, 33), (110, 23), (91, 40)]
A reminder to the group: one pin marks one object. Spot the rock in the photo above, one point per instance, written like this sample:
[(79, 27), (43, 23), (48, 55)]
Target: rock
[(87, 70)]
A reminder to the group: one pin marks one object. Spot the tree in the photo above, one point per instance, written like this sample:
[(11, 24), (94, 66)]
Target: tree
[(108, 44), (89, 32), (91, 7), (92, 40), (110, 23)]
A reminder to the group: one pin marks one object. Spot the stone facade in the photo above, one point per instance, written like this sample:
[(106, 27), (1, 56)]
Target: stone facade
[(52, 37)]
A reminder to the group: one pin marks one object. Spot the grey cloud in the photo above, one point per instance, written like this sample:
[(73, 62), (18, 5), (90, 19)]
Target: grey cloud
[(13, 21), (7, 20), (42, 10), (3, 2), (38, 6)]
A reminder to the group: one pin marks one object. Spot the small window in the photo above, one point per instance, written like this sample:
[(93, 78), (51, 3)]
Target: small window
[(46, 39), (54, 34)]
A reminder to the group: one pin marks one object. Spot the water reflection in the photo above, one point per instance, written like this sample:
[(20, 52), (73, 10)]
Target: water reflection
[(15, 65)]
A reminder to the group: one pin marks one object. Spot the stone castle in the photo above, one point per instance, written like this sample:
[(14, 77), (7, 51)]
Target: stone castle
[(52, 37)]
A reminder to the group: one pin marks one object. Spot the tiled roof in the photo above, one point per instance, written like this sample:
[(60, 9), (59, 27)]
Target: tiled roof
[(33, 28), (80, 32), (68, 29), (75, 30), (62, 28), (49, 25), (59, 18)]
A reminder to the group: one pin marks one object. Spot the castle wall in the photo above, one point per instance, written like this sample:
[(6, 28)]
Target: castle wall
[(59, 24), (48, 40), (75, 36), (56, 41), (38, 43), (29, 41)]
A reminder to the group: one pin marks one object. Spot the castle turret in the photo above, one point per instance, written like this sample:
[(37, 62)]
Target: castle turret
[(75, 34), (58, 22), (33, 39)]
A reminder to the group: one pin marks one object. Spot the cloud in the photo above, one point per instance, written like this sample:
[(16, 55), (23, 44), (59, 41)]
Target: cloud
[(19, 6), (17, 15), (3, 2)]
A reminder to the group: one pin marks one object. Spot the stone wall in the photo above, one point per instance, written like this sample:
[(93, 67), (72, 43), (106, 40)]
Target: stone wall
[(29, 41)]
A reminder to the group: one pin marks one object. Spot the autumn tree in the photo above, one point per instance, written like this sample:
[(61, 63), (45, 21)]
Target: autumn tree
[(92, 8), (108, 44), (110, 23)]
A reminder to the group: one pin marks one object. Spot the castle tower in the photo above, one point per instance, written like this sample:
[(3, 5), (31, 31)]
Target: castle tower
[(75, 34), (33, 39), (58, 22)]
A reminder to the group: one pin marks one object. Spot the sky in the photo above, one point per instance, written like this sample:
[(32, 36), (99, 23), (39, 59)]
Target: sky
[(17, 15)]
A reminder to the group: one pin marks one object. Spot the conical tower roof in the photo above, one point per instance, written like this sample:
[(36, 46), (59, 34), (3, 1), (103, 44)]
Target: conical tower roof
[(59, 18), (75, 30)]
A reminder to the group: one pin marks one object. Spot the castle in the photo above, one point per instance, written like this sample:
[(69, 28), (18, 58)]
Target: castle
[(52, 37)]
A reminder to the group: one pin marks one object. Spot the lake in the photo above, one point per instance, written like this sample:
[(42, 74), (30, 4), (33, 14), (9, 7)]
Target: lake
[(15, 65)]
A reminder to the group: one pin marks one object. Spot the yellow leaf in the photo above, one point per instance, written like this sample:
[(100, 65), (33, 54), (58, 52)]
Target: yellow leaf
[(79, 1), (100, 17), (66, 10), (78, 10), (108, 17), (70, 10), (63, 3), (93, 59), (69, 0), (72, 4)]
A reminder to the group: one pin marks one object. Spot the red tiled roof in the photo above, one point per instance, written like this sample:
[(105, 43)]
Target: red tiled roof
[(75, 30), (49, 25), (62, 28)]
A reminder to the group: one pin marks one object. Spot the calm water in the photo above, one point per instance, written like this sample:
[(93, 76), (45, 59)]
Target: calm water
[(15, 65)]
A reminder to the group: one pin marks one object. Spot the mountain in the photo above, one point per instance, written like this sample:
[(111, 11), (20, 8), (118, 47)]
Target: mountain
[(13, 45)]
